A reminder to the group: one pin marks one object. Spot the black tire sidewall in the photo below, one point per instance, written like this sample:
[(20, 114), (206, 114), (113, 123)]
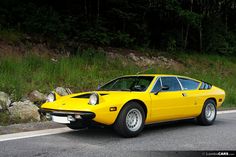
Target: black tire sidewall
[(120, 124), (202, 118)]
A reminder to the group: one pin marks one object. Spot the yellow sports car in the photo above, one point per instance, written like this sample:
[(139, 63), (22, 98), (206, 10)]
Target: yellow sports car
[(129, 102)]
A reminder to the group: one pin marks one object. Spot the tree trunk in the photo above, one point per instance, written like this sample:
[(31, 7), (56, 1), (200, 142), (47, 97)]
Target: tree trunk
[(200, 37), (186, 37), (182, 36), (98, 8), (85, 8), (226, 23), (187, 29)]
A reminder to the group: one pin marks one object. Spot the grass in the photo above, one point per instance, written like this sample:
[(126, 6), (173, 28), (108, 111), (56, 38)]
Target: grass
[(19, 76)]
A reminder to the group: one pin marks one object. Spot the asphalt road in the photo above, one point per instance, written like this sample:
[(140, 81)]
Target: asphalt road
[(175, 136)]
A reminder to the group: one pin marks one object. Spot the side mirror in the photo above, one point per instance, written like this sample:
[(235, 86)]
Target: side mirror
[(163, 88)]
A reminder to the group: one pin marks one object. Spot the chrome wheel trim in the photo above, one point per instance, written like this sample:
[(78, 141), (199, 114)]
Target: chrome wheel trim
[(210, 112), (134, 120)]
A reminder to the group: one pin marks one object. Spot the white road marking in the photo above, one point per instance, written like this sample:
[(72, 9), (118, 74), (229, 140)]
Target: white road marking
[(37, 133), (30, 134), (227, 111)]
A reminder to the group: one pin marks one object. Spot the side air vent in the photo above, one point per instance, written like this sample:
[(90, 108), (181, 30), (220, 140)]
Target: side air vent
[(87, 95), (102, 94)]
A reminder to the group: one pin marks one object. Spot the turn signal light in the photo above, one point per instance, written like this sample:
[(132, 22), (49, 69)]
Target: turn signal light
[(113, 109)]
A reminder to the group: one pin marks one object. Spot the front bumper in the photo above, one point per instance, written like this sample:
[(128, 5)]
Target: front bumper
[(66, 117)]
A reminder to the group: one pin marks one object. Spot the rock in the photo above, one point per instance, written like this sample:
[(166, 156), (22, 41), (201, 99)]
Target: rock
[(24, 98), (54, 60), (163, 58), (4, 101), (25, 111), (36, 96), (133, 57), (62, 91)]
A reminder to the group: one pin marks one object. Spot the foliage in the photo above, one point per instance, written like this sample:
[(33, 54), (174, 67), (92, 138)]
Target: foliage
[(5, 118), (217, 39), (194, 25), (122, 39), (11, 36)]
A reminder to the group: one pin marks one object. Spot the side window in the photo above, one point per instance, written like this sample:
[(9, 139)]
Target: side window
[(171, 82), (188, 84), (157, 86)]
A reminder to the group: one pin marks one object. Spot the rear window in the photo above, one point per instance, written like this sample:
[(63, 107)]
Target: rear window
[(205, 86)]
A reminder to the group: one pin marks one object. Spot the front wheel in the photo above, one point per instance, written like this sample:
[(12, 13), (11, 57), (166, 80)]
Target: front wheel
[(208, 114), (130, 121)]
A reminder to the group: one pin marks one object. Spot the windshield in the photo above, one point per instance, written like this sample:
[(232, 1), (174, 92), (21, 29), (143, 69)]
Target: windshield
[(132, 83)]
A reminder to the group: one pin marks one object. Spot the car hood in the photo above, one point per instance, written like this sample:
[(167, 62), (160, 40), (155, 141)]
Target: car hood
[(80, 100), (86, 95)]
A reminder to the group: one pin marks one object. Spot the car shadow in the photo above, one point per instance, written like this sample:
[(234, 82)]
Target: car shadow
[(164, 126), (178, 125), (98, 132), (109, 133)]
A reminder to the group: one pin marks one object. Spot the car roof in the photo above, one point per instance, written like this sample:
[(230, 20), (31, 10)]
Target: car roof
[(161, 75), (152, 75)]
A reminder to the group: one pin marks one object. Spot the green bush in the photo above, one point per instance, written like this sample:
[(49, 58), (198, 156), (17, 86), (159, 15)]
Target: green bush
[(11, 35), (95, 36)]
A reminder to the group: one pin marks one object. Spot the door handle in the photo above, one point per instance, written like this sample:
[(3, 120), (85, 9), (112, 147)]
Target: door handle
[(184, 94)]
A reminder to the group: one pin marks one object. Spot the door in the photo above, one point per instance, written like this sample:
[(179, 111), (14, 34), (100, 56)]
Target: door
[(171, 103), (191, 93)]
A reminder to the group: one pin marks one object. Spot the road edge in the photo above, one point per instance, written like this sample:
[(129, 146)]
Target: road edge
[(29, 134)]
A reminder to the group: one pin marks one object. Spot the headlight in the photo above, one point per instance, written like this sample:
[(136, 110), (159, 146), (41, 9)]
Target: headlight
[(93, 99), (51, 97)]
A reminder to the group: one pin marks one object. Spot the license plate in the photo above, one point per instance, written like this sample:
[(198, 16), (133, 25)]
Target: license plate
[(59, 119)]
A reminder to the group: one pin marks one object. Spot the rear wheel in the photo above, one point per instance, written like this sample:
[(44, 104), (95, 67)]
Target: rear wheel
[(208, 114), (130, 121)]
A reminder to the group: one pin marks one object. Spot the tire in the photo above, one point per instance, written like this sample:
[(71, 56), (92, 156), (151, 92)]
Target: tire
[(130, 121), (208, 114), (78, 125)]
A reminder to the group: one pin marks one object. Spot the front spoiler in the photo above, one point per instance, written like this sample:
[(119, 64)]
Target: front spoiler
[(84, 115)]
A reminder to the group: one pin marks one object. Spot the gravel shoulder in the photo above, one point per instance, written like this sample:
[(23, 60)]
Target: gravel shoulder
[(15, 128)]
